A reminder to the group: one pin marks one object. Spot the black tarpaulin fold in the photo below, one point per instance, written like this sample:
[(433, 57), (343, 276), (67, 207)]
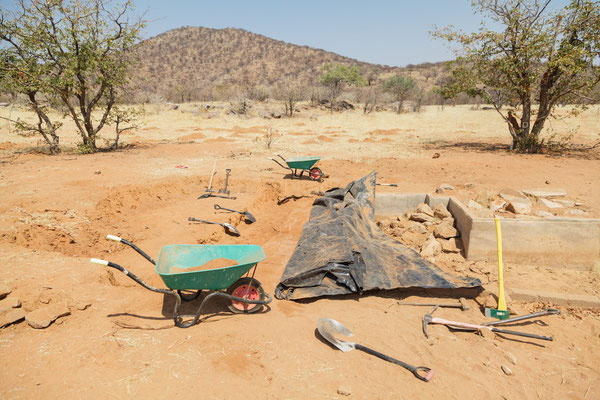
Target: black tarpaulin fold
[(342, 250)]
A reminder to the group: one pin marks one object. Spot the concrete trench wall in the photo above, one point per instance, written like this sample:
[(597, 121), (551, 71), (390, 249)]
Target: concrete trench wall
[(556, 242)]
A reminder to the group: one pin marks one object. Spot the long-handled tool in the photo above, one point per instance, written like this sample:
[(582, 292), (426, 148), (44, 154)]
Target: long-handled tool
[(230, 228), (387, 184), (463, 304), (224, 190), (549, 311), (208, 189), (502, 312), (328, 327), (249, 217), (429, 319)]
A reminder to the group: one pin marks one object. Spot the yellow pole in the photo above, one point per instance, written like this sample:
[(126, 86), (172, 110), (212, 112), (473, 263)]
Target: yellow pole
[(501, 300)]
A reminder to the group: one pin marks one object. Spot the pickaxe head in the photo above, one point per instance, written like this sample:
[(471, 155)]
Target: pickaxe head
[(427, 320)]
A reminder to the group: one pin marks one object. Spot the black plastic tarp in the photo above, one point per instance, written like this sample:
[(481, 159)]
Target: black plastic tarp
[(342, 250)]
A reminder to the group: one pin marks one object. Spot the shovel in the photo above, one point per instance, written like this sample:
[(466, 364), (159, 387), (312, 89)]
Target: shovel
[(328, 327), (230, 228), (246, 214)]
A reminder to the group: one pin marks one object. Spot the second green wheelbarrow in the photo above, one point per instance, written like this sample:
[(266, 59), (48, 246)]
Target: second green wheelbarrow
[(217, 268), (302, 164)]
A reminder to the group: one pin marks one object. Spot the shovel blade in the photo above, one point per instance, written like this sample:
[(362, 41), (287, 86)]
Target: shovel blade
[(231, 228), (249, 217), (328, 328)]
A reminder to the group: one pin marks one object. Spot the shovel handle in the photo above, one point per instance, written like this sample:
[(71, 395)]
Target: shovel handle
[(423, 373)]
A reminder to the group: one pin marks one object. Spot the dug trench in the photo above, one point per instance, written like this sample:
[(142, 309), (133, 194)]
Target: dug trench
[(119, 341)]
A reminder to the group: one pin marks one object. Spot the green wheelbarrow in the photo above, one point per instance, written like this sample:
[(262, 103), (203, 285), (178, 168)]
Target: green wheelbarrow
[(302, 164), (186, 268)]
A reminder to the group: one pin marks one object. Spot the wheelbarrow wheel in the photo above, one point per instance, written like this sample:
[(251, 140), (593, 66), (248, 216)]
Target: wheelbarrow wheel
[(250, 289), (315, 173), (187, 296)]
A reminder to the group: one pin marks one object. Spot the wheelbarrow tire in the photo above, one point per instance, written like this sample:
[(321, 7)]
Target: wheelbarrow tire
[(315, 173), (185, 297), (239, 289)]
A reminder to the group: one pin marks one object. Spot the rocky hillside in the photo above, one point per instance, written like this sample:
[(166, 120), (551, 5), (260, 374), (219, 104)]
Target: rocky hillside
[(193, 63)]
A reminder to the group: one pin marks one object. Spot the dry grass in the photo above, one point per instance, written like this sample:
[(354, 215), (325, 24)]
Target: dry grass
[(347, 135)]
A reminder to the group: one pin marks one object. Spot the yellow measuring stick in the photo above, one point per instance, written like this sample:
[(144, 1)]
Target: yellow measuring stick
[(501, 300)]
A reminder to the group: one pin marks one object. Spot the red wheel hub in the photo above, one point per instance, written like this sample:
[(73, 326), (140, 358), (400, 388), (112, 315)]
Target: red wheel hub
[(315, 173), (245, 292)]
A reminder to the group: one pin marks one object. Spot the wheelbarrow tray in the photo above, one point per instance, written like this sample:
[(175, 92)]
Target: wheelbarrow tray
[(173, 259), (302, 162)]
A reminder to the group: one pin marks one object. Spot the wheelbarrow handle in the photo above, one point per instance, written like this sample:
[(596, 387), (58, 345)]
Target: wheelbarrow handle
[(423, 373), (278, 163), (133, 246)]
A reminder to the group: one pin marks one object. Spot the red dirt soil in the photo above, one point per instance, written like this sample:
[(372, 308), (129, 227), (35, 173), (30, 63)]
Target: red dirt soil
[(56, 211)]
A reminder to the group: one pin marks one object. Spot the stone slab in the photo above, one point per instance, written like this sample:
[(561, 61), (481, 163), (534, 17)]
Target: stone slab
[(43, 317), (10, 316), (546, 192)]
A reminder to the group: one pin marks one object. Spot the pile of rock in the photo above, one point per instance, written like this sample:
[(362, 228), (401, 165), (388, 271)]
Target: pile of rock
[(42, 317), (429, 231), (538, 202)]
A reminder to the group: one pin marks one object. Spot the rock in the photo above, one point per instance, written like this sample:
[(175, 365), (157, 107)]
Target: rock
[(511, 195), (384, 223), (469, 185), (78, 305), (441, 212), (545, 193), (420, 217), (518, 207), (550, 204), (424, 209), (413, 239), (449, 246), (344, 391), (43, 317), (395, 224), (490, 301), (436, 155), (443, 188), (427, 223), (506, 370), (518, 203), (511, 357), (578, 204), (9, 303), (10, 316), (416, 227), (473, 205), (4, 291), (497, 204), (97, 172), (431, 248), (487, 333), (566, 203), (544, 214), (577, 212), (445, 231)]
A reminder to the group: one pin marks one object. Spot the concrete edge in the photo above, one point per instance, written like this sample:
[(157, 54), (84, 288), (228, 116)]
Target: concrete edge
[(562, 299)]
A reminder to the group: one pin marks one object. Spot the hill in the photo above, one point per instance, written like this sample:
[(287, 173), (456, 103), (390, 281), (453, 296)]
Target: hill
[(195, 63)]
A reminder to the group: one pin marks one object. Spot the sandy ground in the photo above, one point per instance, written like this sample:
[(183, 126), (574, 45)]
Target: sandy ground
[(55, 212)]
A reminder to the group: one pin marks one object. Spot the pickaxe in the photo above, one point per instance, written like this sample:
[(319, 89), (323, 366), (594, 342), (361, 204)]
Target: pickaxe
[(429, 319)]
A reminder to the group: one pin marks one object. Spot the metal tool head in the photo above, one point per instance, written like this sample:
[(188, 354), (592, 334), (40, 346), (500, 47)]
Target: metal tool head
[(427, 320), (231, 228), (328, 328)]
